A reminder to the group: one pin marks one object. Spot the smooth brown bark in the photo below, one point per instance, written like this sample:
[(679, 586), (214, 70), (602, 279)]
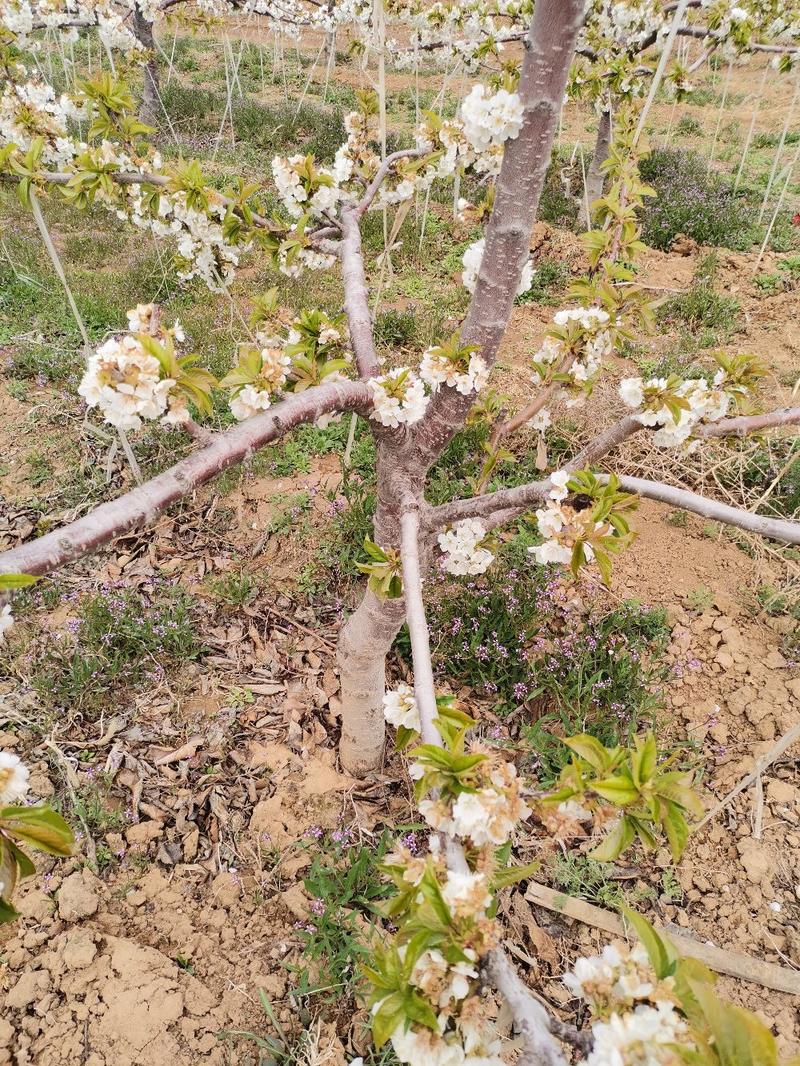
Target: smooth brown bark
[(140, 506)]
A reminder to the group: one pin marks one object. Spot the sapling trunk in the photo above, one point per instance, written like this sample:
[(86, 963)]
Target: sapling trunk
[(143, 31), (595, 177), (403, 463)]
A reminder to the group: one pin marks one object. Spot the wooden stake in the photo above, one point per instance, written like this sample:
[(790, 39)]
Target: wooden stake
[(732, 963)]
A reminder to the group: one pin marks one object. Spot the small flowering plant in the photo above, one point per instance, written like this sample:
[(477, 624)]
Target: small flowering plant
[(37, 827), (649, 796), (424, 982)]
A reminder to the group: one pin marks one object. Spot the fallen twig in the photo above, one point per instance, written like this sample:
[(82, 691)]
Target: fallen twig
[(777, 749)]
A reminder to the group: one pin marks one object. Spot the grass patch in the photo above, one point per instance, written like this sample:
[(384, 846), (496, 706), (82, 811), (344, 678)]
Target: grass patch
[(118, 639), (512, 635), (693, 202), (707, 314), (345, 885)]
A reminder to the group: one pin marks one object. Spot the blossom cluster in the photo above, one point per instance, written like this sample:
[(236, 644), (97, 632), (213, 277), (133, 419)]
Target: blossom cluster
[(203, 249), (676, 407), (398, 397), (127, 383), (575, 347), (635, 1016), (436, 369), (400, 708), (304, 188), (485, 815), (555, 524), (22, 17), (462, 551), (301, 352), (272, 375), (30, 109)]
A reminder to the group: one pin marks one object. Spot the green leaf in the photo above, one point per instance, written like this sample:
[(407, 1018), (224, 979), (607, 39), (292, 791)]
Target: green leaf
[(420, 1011), (389, 1015), (646, 835), (590, 750), (617, 790), (675, 826), (643, 761), (26, 867), (740, 1038), (8, 867), (16, 581), (512, 874), (404, 737), (671, 787), (661, 953), (620, 838), (40, 827), (7, 911)]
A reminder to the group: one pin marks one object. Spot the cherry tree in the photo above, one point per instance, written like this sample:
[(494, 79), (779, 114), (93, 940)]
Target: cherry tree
[(308, 366)]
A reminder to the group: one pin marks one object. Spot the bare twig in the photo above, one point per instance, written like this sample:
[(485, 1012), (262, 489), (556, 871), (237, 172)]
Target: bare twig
[(775, 528), (775, 752)]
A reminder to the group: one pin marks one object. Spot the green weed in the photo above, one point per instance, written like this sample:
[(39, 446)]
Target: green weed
[(345, 886), (117, 640)]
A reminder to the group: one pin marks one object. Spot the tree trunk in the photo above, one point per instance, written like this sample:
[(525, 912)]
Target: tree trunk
[(149, 106), (364, 643), (403, 460), (595, 178), (367, 638)]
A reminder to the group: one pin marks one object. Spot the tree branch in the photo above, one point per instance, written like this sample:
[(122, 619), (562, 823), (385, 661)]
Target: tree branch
[(503, 429), (356, 295), (530, 1017), (605, 441), (141, 505), (516, 500), (548, 50), (380, 177), (774, 528), (424, 687), (507, 504), (132, 177), (743, 425)]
